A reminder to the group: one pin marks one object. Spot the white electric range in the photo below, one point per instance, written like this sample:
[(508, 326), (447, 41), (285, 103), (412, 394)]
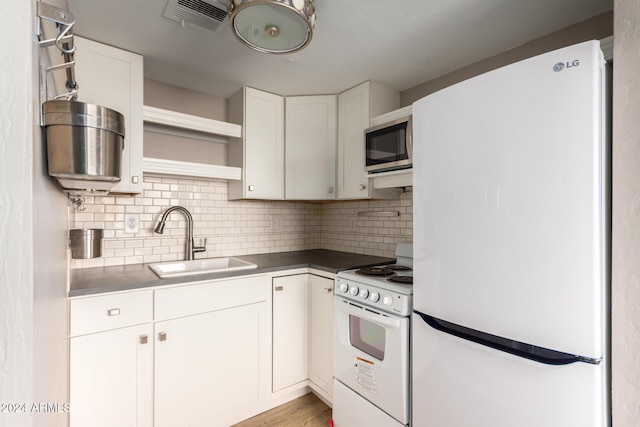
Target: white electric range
[(372, 309)]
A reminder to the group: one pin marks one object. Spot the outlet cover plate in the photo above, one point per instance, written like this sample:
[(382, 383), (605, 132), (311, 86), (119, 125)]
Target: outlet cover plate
[(277, 223), (131, 223)]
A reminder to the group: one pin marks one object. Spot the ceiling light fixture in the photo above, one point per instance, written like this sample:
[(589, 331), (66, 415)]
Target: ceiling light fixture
[(273, 26)]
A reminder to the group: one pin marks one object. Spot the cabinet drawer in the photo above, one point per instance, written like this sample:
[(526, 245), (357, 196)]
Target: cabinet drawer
[(106, 312), (204, 297)]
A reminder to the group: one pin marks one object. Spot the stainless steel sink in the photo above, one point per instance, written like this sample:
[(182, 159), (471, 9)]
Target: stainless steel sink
[(200, 266)]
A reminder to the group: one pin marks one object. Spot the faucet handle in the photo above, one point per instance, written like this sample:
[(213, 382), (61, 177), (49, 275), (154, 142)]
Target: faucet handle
[(202, 248)]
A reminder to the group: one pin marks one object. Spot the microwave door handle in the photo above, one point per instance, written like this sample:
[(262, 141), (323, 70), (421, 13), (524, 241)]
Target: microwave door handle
[(379, 319), (409, 138)]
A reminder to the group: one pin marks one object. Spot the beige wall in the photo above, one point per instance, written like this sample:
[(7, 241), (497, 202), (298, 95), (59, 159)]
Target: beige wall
[(626, 215), (595, 28), (162, 95), (178, 147)]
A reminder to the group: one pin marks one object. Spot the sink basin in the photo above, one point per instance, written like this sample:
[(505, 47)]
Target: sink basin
[(200, 266)]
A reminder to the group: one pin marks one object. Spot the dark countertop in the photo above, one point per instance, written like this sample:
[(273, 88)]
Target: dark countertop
[(91, 281)]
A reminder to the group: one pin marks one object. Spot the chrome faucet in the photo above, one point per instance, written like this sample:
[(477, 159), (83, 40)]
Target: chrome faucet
[(190, 248)]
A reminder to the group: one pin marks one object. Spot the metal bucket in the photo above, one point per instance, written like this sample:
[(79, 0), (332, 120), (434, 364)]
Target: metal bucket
[(84, 144), (86, 243)]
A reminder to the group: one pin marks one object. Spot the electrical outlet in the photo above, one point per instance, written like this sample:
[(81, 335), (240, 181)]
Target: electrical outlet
[(277, 222), (131, 223)]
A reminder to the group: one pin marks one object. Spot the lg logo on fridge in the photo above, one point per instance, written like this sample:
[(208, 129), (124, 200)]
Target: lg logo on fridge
[(562, 65)]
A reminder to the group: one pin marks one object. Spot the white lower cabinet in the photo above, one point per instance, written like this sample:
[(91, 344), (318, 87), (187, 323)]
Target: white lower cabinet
[(202, 354), (207, 364), (112, 378), (290, 330), (111, 359), (303, 332), (321, 334), (212, 353)]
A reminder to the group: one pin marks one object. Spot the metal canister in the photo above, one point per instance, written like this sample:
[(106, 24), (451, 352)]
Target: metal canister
[(86, 243)]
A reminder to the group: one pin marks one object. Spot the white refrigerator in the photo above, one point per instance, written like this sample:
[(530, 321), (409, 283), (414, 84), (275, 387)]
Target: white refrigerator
[(511, 247)]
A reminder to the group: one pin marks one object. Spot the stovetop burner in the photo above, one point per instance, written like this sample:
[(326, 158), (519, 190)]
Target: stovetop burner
[(401, 279), (376, 271), (398, 267)]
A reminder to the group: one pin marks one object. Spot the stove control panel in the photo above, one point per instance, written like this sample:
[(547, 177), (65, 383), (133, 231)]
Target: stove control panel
[(372, 296)]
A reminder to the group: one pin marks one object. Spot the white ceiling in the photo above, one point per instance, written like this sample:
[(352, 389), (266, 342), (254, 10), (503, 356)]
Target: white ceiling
[(400, 43)]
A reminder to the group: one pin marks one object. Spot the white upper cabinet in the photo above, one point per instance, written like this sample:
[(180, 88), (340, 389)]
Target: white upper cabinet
[(290, 147), (260, 150), (114, 78), (356, 107), (310, 141)]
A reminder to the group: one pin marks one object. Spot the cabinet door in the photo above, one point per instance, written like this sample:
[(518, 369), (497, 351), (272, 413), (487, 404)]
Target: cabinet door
[(263, 129), (114, 78), (354, 116), (321, 333), (290, 330), (310, 141), (111, 378), (209, 363)]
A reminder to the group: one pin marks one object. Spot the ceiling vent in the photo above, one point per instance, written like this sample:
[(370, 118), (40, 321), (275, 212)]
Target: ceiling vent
[(201, 13)]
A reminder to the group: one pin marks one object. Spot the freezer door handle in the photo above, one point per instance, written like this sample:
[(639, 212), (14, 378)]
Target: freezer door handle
[(517, 348)]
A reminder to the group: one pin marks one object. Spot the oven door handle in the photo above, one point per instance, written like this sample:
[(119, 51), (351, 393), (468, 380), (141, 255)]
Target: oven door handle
[(356, 310)]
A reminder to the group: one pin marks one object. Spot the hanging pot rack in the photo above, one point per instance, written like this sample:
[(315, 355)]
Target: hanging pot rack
[(64, 21), (90, 170)]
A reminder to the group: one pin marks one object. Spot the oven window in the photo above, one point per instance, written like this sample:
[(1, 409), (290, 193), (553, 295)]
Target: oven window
[(367, 336)]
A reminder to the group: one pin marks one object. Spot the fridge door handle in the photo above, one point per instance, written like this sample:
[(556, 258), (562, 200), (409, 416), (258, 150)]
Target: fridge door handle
[(517, 348)]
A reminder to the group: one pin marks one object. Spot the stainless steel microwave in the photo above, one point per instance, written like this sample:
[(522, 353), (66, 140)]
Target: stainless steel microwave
[(389, 146)]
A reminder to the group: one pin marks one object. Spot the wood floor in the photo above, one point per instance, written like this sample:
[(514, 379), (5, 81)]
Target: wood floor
[(305, 411)]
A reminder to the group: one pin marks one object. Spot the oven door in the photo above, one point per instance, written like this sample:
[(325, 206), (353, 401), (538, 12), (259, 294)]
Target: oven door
[(371, 356)]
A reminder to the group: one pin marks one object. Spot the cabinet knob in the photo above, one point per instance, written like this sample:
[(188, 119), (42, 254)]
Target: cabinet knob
[(162, 336), (327, 290), (251, 187), (279, 288), (330, 190), (113, 312), (363, 187), (144, 339)]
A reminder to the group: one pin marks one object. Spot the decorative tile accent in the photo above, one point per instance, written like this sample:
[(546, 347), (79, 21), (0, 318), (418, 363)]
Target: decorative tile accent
[(235, 228)]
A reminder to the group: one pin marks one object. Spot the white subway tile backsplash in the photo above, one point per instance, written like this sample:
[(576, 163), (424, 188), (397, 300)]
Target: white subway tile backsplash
[(235, 228), (114, 208), (124, 200)]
